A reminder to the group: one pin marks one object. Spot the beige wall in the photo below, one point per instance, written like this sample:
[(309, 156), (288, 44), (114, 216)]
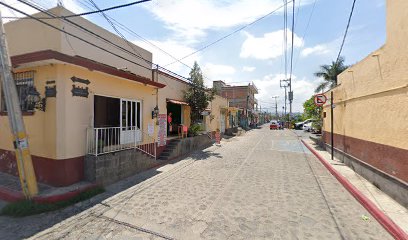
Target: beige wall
[(40, 127), (372, 98), (26, 35), (75, 114), (173, 90), (216, 106)]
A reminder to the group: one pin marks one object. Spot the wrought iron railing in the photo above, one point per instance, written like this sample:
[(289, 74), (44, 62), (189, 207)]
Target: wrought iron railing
[(112, 139)]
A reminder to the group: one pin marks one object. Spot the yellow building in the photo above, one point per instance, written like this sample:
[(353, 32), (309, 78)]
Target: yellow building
[(371, 104), (217, 117), (171, 98), (95, 102)]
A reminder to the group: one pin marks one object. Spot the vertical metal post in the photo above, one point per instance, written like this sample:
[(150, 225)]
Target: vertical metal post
[(96, 142), (331, 119), (23, 157)]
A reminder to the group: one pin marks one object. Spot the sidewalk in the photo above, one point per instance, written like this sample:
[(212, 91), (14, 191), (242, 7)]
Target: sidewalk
[(10, 190), (395, 211)]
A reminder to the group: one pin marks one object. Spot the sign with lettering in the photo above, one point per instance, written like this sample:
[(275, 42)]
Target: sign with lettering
[(162, 133)]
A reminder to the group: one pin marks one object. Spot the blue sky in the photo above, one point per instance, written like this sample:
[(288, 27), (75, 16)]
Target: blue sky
[(254, 54)]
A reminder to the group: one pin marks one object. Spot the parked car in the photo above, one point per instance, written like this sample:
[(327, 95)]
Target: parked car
[(273, 125), (299, 125), (316, 127), (307, 126)]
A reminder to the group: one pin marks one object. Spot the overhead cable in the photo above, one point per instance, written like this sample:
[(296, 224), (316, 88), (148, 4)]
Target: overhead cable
[(230, 34), (92, 12), (345, 33)]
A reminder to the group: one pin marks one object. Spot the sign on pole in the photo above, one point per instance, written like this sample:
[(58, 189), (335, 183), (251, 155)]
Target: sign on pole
[(320, 99)]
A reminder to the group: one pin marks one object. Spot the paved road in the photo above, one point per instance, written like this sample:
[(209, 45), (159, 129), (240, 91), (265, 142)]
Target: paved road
[(263, 185)]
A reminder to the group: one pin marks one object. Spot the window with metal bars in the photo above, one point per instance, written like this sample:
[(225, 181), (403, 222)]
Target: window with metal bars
[(24, 81)]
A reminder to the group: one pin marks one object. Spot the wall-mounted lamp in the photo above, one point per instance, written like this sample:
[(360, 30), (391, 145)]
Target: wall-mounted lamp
[(34, 99), (155, 112)]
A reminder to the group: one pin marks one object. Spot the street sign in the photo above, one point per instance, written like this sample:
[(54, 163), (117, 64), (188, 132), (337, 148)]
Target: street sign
[(320, 99)]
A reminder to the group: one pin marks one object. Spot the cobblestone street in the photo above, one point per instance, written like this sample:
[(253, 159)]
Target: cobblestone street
[(263, 185)]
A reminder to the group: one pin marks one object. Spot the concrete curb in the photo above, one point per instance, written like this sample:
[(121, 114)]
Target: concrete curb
[(14, 196), (383, 219), (9, 195)]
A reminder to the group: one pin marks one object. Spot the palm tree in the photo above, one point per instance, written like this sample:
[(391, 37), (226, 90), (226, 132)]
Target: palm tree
[(329, 74)]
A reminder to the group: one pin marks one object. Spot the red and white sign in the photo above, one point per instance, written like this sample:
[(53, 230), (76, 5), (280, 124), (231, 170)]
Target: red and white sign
[(320, 99)]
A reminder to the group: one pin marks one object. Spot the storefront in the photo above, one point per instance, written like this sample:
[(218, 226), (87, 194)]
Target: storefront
[(180, 115)]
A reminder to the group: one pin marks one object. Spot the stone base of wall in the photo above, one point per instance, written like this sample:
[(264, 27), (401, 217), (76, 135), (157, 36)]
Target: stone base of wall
[(392, 186), (231, 131), (112, 167), (190, 144), (54, 172)]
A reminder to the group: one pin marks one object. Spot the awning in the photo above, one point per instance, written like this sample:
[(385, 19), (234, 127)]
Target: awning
[(176, 102)]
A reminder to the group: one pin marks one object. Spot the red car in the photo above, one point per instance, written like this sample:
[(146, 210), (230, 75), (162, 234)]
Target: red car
[(273, 125)]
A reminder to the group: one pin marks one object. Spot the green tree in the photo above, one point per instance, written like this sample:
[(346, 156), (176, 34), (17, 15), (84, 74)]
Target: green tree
[(197, 96), (329, 74), (310, 110)]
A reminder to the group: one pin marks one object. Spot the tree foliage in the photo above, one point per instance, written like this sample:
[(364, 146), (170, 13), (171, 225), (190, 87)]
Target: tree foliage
[(197, 96), (329, 74), (310, 110)]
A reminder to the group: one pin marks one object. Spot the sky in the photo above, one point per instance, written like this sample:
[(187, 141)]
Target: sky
[(253, 54)]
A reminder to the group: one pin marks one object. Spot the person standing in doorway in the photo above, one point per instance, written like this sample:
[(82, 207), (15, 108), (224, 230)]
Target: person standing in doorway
[(169, 120)]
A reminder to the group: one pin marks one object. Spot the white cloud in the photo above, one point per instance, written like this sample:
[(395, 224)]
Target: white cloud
[(192, 18), (269, 46), (269, 86), (217, 71), (316, 50), (248, 69)]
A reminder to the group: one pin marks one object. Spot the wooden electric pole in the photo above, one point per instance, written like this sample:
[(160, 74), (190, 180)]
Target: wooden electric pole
[(23, 157)]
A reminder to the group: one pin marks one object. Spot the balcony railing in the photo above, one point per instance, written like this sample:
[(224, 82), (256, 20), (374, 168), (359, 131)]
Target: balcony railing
[(113, 139)]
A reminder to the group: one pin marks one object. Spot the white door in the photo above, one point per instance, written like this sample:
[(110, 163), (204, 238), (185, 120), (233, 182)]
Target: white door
[(130, 121), (222, 120)]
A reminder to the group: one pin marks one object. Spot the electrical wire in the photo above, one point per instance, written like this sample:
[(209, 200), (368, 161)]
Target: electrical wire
[(306, 30), (104, 39), (114, 23), (230, 34), (115, 29), (293, 36), (92, 12), (130, 45), (72, 35), (345, 33), (84, 29)]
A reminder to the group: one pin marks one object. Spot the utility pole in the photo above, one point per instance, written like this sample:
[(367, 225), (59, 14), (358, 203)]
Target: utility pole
[(24, 163), (276, 106), (287, 83)]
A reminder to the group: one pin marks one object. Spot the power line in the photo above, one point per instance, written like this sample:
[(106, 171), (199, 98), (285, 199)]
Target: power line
[(92, 12), (114, 22), (306, 29), (293, 36), (345, 33), (90, 43), (84, 29), (230, 34), (108, 19), (115, 29), (70, 34)]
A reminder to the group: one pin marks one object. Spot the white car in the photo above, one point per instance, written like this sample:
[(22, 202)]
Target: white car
[(308, 126)]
